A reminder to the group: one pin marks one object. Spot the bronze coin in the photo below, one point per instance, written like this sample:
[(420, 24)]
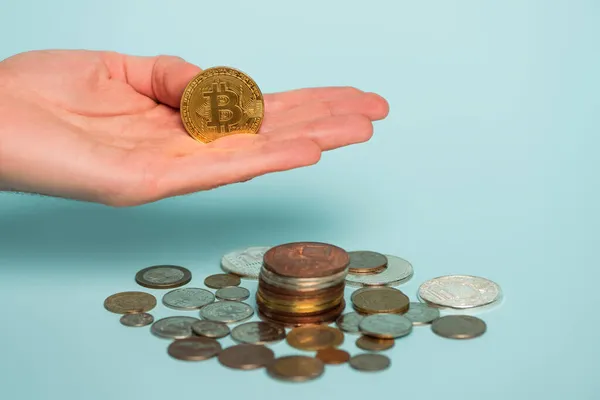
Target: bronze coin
[(306, 260), (246, 356), (219, 281), (366, 262), (381, 299), (296, 368), (333, 356), (459, 327), (287, 320), (314, 337), (130, 302), (194, 348), (370, 362), (163, 276), (374, 344)]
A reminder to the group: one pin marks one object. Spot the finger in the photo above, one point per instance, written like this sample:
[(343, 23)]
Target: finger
[(276, 102)]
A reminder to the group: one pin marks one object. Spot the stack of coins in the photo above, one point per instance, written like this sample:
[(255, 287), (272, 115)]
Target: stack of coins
[(302, 283)]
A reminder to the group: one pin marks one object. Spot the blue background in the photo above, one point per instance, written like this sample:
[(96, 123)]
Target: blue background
[(486, 165)]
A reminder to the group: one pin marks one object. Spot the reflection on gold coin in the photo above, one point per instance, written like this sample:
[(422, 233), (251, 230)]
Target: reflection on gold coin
[(316, 337), (221, 101)]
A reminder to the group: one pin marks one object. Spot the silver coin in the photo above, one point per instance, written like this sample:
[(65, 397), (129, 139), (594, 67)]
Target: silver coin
[(302, 284), (459, 291), (398, 271), (137, 319), (245, 262), (233, 293), (173, 327), (258, 333), (349, 322), (386, 326), (210, 329), (188, 298), (421, 314), (163, 276), (370, 362), (227, 311)]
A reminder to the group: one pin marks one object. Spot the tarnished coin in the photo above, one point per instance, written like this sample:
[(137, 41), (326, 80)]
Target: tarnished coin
[(333, 356), (459, 291), (421, 314), (245, 263), (173, 327), (137, 319), (383, 299), (258, 333), (315, 337), (246, 356), (188, 298), (306, 260), (227, 311), (296, 368), (219, 281), (459, 327), (221, 101), (130, 302), (233, 293), (397, 272), (210, 329), (386, 326), (163, 277), (194, 348), (349, 322), (366, 262), (374, 344), (370, 362)]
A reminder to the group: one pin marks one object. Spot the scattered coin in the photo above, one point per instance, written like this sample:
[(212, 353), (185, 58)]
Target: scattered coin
[(333, 356), (383, 299), (245, 263), (386, 326), (233, 293), (459, 291), (349, 322), (227, 311), (173, 327), (421, 314), (194, 348), (246, 356), (130, 302), (163, 277), (397, 272), (374, 344), (315, 337), (370, 362), (258, 333), (296, 368), (459, 327), (210, 329), (188, 298), (306, 260), (219, 281), (137, 319), (366, 262)]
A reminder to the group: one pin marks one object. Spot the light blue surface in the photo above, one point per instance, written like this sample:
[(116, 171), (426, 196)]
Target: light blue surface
[(487, 165)]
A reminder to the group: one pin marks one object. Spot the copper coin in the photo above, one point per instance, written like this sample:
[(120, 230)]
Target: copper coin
[(315, 337), (163, 276), (219, 281), (306, 260), (246, 356), (137, 319), (459, 327), (374, 344), (296, 368), (130, 302), (194, 348), (287, 321), (258, 333), (372, 300), (366, 262), (370, 362), (333, 356)]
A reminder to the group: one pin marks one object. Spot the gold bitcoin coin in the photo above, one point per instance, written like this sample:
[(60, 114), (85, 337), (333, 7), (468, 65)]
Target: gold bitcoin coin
[(221, 101)]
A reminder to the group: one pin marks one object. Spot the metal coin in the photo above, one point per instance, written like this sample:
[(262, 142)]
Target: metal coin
[(173, 327), (233, 293), (398, 271), (130, 302), (459, 327), (381, 299), (296, 368), (349, 322), (459, 291), (370, 362), (333, 356), (421, 314), (366, 262), (316, 337), (163, 277), (194, 349), (245, 263), (219, 281), (374, 344), (386, 326), (258, 333), (210, 329), (246, 356), (137, 319), (227, 311), (306, 260), (188, 298)]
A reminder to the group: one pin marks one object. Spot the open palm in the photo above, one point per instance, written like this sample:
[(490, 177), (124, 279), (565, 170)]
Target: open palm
[(105, 127)]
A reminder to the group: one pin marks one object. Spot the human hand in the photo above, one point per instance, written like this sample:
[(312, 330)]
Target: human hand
[(105, 127)]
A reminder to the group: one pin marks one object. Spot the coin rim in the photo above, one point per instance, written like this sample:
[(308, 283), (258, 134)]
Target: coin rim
[(187, 277), (435, 329)]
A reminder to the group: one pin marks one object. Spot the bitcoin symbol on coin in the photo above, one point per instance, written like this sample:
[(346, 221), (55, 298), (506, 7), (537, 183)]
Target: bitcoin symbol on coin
[(224, 107)]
